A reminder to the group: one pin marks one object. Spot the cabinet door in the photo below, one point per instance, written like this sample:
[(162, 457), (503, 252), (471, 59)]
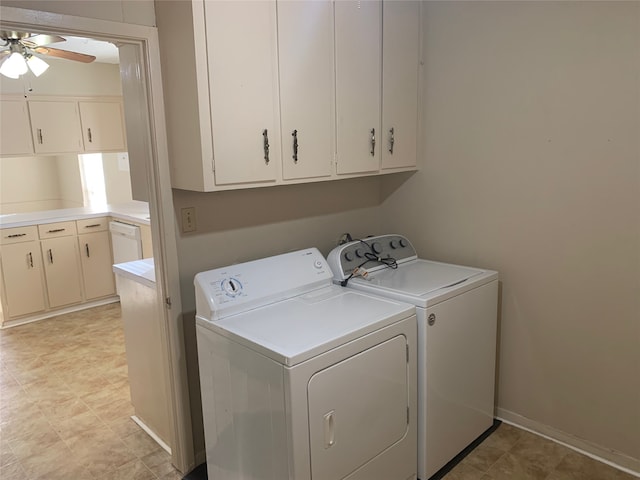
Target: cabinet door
[(62, 270), (15, 134), (400, 65), (55, 127), (102, 126), (305, 44), (97, 261), (22, 278), (358, 37), (242, 60)]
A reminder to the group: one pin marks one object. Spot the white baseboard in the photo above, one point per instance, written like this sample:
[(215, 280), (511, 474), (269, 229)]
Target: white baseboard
[(152, 434), (613, 458)]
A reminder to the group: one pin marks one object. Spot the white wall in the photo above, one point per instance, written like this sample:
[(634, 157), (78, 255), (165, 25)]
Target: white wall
[(116, 179), (532, 167), (139, 12), (28, 184), (66, 77)]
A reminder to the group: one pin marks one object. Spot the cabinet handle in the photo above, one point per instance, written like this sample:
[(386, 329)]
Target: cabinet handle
[(392, 140), (86, 247), (294, 134), (329, 429), (16, 235), (50, 256), (265, 140), (40, 141), (93, 225), (56, 230), (89, 135), (30, 260), (373, 142)]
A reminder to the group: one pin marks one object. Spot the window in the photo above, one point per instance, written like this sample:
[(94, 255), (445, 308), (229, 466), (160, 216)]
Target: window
[(92, 177)]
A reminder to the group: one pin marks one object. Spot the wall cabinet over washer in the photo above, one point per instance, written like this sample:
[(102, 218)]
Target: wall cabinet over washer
[(263, 108)]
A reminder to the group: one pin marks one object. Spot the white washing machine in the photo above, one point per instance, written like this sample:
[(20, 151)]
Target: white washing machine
[(302, 379), (456, 309)]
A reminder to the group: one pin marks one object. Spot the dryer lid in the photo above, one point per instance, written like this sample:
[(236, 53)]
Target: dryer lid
[(297, 329)]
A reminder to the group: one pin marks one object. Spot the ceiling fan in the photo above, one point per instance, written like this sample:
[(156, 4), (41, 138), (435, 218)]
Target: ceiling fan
[(19, 56)]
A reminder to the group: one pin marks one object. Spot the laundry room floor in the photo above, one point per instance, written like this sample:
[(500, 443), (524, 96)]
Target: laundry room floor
[(65, 406), (65, 414)]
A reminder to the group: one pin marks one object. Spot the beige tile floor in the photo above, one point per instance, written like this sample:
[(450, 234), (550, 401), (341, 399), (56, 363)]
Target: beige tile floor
[(512, 453), (65, 414), (65, 406)]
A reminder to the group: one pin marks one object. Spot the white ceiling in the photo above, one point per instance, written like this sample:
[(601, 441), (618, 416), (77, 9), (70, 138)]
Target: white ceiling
[(104, 52)]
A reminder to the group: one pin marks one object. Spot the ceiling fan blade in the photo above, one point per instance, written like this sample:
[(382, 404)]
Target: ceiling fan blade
[(55, 52), (42, 39)]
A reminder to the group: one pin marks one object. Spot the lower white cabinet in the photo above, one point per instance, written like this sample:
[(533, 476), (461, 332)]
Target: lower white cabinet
[(22, 279), (96, 260), (62, 271)]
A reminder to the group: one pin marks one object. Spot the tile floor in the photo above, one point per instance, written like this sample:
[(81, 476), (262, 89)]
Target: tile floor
[(514, 454), (64, 403), (65, 414)]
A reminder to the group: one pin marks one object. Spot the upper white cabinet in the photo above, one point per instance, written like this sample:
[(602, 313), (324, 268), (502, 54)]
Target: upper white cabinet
[(358, 85), (55, 126), (305, 54), (15, 134), (243, 80), (400, 94), (273, 92), (102, 126)]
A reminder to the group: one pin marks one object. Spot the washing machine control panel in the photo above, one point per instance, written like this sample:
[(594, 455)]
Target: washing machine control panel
[(371, 253), (229, 290)]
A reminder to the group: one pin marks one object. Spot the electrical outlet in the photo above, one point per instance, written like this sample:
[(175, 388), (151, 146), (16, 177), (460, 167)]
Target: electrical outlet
[(188, 219)]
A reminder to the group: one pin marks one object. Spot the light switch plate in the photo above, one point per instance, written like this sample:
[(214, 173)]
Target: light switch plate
[(188, 219)]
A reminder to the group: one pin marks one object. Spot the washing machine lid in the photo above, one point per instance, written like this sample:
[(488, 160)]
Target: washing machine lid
[(420, 281), (297, 329)]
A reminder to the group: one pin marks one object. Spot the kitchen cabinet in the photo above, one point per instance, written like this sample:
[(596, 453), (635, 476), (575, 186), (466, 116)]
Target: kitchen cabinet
[(61, 263), (306, 88), (358, 85), (15, 134), (55, 126), (400, 72), (242, 58), (278, 75), (96, 258), (22, 274), (102, 126)]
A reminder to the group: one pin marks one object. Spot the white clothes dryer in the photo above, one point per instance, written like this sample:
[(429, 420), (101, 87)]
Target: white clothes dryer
[(456, 309), (302, 379)]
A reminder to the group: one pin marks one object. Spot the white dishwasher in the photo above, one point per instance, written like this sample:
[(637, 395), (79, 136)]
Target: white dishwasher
[(126, 242)]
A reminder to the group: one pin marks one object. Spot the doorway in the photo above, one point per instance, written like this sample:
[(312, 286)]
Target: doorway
[(142, 88)]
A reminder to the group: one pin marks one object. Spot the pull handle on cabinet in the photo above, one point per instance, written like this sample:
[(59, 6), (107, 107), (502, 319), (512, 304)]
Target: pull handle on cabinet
[(30, 259), (89, 135), (86, 248), (40, 140), (391, 140), (294, 134), (373, 142), (265, 140), (50, 256)]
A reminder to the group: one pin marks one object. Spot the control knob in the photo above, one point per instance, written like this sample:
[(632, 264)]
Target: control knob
[(403, 242), (393, 244), (231, 287), (359, 253), (348, 256), (376, 248)]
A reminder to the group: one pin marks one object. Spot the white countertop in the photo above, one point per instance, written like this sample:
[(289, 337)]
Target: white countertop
[(142, 271), (134, 211)]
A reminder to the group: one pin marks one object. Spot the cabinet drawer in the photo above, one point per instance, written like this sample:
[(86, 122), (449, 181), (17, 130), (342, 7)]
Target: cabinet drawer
[(89, 225), (18, 234), (58, 229)]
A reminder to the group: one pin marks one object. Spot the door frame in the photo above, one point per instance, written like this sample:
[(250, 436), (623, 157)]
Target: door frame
[(156, 164)]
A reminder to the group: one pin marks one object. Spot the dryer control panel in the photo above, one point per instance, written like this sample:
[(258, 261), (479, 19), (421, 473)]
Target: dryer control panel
[(371, 253)]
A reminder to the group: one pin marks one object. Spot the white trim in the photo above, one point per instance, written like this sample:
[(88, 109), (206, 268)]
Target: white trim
[(612, 458), (145, 40), (151, 433)]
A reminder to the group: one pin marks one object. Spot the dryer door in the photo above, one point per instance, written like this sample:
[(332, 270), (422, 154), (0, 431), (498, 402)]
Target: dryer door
[(358, 408)]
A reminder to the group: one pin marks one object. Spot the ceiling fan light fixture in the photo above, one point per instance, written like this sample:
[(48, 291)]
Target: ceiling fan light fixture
[(37, 65), (14, 66)]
